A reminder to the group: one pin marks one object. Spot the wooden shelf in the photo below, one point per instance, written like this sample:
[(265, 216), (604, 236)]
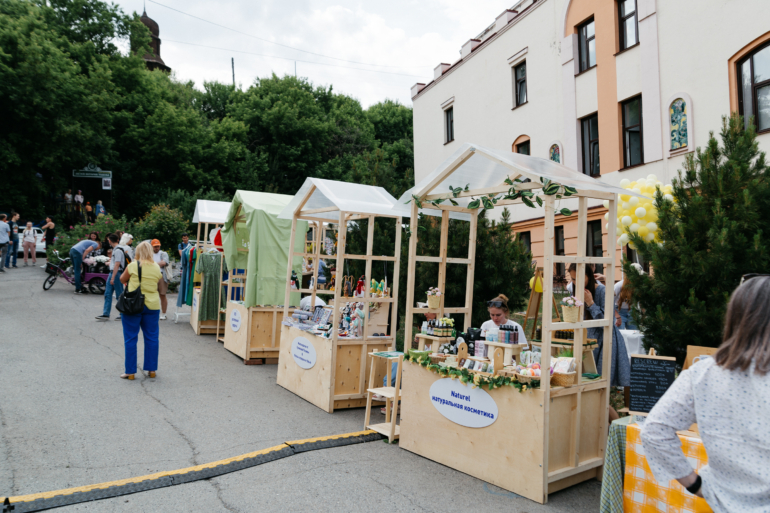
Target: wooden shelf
[(389, 392), (384, 429), (433, 337)]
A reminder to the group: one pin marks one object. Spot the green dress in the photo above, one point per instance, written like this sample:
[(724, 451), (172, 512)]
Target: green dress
[(209, 267)]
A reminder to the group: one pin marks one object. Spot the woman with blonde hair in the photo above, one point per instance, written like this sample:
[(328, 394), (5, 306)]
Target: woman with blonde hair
[(145, 273), (498, 316)]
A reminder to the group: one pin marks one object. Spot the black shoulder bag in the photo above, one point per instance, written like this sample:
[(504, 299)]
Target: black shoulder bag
[(132, 303)]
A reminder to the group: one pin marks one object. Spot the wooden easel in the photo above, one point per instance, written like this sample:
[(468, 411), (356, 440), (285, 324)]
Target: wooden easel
[(533, 307)]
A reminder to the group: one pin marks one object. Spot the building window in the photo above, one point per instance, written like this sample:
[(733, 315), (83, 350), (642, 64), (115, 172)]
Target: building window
[(558, 249), (678, 124), (633, 152), (754, 88), (594, 243), (449, 125), (628, 26), (587, 45), (590, 130), (526, 239), (520, 81), (633, 256), (523, 148), (555, 153)]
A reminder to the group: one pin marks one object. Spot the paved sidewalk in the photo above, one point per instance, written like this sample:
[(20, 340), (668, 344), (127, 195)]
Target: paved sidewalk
[(67, 420)]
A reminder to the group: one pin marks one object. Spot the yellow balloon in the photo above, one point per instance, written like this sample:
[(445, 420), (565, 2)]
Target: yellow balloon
[(625, 197), (539, 287), (643, 231)]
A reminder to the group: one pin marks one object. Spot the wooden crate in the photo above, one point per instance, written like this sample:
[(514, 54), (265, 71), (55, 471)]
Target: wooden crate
[(492, 453), (201, 327), (336, 380), (257, 336)]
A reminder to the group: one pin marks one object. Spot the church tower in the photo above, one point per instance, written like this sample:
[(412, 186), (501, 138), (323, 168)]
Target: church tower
[(153, 61)]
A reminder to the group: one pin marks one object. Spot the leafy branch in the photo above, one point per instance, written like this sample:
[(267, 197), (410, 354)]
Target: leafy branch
[(529, 198)]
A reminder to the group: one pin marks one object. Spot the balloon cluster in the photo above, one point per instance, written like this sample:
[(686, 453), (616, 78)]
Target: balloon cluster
[(639, 215)]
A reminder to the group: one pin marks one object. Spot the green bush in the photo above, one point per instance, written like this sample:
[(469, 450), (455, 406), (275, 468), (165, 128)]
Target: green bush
[(66, 238), (714, 232), (163, 223)]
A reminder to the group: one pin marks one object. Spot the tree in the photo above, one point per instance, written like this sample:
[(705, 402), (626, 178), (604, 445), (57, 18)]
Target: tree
[(163, 223), (711, 234)]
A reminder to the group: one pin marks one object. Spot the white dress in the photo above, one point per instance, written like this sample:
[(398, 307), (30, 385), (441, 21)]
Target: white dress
[(732, 410), (488, 325)]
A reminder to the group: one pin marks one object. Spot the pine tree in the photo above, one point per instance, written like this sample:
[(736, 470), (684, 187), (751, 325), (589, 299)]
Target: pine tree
[(710, 236)]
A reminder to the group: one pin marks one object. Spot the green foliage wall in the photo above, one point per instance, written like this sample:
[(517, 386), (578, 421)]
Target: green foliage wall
[(714, 232)]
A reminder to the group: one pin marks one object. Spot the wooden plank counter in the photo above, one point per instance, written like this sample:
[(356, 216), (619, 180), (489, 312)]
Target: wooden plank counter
[(509, 452)]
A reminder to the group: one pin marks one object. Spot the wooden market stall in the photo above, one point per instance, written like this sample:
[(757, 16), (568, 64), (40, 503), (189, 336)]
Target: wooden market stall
[(333, 372), (256, 245), (209, 215), (543, 439)]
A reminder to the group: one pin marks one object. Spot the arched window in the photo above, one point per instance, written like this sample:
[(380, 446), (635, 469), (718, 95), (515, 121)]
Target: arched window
[(555, 153), (754, 88), (680, 125), (677, 113)]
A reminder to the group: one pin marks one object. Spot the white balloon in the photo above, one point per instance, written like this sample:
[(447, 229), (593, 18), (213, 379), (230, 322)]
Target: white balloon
[(625, 182), (624, 205), (607, 216), (634, 201), (640, 212), (606, 203), (668, 197), (637, 190), (626, 221), (634, 227), (652, 178), (649, 237), (607, 226), (624, 238), (621, 243), (652, 227)]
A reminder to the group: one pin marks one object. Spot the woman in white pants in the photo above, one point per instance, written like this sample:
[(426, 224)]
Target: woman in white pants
[(29, 243)]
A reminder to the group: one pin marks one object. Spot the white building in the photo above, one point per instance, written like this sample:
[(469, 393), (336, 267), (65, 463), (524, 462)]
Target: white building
[(612, 88)]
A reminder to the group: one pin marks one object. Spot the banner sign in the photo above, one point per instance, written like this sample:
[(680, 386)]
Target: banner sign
[(91, 171), (469, 407)]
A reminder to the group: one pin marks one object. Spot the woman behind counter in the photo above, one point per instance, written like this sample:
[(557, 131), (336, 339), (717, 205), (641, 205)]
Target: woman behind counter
[(498, 316)]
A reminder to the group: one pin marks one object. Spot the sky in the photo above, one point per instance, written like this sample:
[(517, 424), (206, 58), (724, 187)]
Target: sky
[(392, 44)]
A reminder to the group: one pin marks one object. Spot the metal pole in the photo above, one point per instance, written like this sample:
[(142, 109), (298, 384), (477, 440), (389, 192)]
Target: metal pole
[(232, 61)]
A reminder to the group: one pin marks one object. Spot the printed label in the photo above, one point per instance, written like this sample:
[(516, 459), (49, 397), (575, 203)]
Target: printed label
[(469, 407), (303, 352), (235, 320)]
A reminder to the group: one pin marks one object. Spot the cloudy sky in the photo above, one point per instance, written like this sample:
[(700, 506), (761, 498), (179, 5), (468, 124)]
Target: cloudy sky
[(391, 44)]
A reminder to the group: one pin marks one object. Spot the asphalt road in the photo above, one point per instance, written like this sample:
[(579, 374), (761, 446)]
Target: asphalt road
[(67, 420)]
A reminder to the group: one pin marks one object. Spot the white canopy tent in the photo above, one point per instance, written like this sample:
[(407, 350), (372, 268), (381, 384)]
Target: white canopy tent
[(329, 198), (208, 211), (484, 171)]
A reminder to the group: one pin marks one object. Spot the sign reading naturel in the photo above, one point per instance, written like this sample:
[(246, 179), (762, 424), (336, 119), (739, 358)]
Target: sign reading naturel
[(462, 404)]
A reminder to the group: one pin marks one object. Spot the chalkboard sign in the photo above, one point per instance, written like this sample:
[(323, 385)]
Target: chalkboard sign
[(650, 378)]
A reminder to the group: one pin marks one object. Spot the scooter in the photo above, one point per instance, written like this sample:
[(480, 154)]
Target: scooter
[(96, 281)]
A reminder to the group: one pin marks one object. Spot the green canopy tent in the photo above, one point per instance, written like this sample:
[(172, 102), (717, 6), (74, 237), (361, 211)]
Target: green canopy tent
[(255, 240)]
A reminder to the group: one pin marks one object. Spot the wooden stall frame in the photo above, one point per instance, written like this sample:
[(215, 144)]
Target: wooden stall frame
[(300, 213), (576, 470)]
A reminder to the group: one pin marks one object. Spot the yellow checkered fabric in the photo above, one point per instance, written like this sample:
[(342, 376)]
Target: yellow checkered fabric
[(643, 494)]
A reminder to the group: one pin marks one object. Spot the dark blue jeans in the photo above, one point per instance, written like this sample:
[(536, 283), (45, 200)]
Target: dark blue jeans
[(77, 266), (148, 322), (108, 290), (13, 249)]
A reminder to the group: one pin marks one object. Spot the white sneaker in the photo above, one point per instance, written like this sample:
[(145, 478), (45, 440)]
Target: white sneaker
[(117, 318), (163, 317)]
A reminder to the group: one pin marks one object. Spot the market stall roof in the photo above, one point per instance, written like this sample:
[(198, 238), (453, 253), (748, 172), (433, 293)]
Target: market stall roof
[(256, 240), (208, 211), (340, 196), (480, 168)]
